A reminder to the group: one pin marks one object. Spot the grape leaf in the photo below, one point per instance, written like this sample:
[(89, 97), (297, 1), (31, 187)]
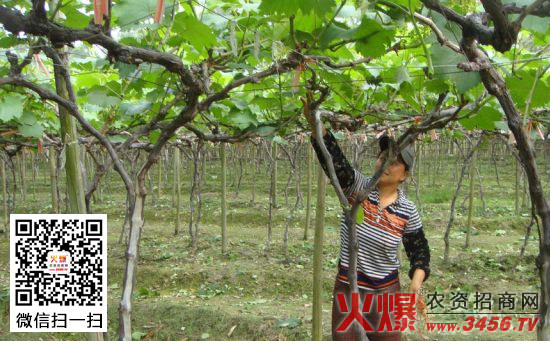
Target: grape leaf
[(194, 31), (35, 130), (485, 119), (11, 107), (445, 61)]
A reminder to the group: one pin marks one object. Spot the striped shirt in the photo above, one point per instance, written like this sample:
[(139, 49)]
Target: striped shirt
[(380, 232), (379, 236)]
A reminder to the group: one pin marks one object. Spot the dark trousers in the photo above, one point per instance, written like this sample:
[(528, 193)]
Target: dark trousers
[(372, 317)]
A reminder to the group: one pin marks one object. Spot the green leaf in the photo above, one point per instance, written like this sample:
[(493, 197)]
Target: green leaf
[(290, 7), (91, 112), (279, 50), (205, 336), (406, 3), (279, 140), (407, 92), (154, 136), (75, 18), (129, 13), (502, 125), (341, 81), (242, 119), (131, 109), (266, 102), (138, 335), (86, 80), (450, 30), (99, 97), (265, 131), (402, 75), (306, 22), (320, 7), (335, 31), (125, 70), (292, 322), (445, 61), (10, 41), (117, 138), (240, 103), (219, 110), (436, 86), (360, 218), (194, 31), (485, 119), (35, 130), (372, 38), (11, 107), (27, 118), (284, 7), (520, 86)]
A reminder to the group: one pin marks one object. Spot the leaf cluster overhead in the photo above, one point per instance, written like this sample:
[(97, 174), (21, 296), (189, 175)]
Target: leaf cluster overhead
[(247, 62)]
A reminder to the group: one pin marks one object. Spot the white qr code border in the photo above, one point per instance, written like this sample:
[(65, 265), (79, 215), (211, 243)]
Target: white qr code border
[(57, 317)]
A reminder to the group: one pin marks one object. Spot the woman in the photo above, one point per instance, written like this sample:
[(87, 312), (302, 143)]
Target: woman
[(389, 218)]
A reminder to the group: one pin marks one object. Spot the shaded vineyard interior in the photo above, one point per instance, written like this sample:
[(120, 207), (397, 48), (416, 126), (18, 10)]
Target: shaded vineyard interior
[(181, 294)]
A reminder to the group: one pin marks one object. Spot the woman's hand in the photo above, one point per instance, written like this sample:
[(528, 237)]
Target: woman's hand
[(416, 287)]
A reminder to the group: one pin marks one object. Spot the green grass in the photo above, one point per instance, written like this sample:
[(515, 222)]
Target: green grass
[(184, 295)]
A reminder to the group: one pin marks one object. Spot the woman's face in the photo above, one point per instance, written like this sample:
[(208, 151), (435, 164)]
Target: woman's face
[(394, 174)]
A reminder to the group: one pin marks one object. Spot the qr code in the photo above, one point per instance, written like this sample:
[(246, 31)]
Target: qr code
[(58, 272)]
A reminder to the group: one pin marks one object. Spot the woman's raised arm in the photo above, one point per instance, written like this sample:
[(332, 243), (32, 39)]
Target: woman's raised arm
[(345, 173)]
